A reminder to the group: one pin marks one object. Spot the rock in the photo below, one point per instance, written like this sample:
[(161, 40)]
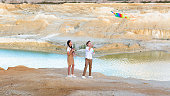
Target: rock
[(20, 68), (112, 46), (1, 69)]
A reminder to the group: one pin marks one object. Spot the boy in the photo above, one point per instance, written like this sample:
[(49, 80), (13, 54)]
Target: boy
[(88, 59)]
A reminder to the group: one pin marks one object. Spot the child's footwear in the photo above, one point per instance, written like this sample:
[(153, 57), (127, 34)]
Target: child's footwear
[(83, 77), (69, 76), (90, 77), (73, 76)]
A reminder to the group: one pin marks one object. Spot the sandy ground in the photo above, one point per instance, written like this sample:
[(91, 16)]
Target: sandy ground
[(23, 81), (48, 27)]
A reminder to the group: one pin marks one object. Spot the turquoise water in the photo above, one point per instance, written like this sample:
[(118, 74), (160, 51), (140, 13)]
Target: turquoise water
[(153, 65)]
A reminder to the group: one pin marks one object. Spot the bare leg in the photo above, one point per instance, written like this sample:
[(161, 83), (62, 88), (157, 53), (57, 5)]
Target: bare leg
[(72, 69), (69, 67)]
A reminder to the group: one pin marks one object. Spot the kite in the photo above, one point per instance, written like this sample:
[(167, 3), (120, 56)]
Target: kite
[(120, 15)]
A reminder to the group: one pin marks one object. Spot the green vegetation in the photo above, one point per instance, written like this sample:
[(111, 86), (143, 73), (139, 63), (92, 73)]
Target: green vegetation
[(162, 2), (50, 2), (118, 0), (146, 2), (115, 0), (58, 48), (128, 45), (117, 45), (74, 46), (155, 2), (126, 2), (82, 47), (91, 1)]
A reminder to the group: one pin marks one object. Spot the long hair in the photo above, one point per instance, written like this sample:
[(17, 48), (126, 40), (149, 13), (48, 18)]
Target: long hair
[(68, 44), (87, 43)]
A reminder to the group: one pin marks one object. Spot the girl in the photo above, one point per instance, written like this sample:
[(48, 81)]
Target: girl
[(70, 58)]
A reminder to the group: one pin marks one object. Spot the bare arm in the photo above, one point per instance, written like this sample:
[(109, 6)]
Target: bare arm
[(90, 47), (69, 53)]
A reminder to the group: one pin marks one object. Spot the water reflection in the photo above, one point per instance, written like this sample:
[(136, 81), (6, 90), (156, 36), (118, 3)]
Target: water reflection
[(134, 58), (153, 65)]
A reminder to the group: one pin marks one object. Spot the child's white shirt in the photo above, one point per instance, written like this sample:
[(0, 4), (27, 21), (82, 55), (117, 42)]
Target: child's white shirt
[(89, 53), (68, 49)]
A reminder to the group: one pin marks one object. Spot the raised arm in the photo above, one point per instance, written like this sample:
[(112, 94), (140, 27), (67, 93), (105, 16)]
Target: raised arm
[(90, 47)]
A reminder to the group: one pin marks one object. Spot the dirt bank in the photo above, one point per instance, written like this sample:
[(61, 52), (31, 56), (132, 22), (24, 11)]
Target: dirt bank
[(25, 81)]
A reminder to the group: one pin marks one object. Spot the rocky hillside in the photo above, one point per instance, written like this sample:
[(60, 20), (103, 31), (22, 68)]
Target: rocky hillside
[(94, 20), (56, 23), (84, 1)]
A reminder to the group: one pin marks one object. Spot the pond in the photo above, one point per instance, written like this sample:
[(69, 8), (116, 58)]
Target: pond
[(153, 65)]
